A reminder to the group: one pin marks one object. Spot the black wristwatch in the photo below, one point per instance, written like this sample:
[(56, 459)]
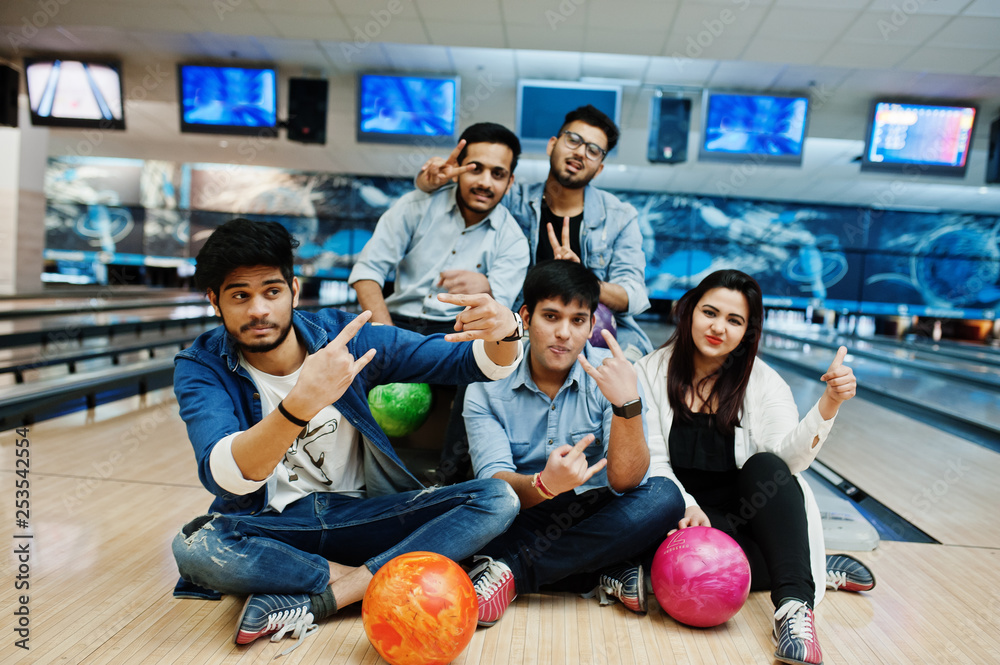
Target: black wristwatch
[(518, 333), (628, 409)]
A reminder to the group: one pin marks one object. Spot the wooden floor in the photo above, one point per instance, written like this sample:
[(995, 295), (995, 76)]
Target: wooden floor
[(110, 488)]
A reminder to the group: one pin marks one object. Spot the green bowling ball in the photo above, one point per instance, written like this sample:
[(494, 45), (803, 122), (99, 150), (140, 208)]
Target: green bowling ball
[(400, 408)]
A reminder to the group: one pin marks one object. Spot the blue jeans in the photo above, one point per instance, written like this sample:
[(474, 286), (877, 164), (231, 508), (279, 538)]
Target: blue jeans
[(289, 552), (556, 540)]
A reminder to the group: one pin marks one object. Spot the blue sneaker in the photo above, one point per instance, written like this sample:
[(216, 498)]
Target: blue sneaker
[(848, 574), (625, 583), (276, 615)]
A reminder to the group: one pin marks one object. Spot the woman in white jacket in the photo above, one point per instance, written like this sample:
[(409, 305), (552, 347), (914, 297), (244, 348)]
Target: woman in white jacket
[(724, 426)]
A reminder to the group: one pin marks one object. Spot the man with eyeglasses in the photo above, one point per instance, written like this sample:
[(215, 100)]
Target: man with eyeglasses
[(567, 218), (457, 240)]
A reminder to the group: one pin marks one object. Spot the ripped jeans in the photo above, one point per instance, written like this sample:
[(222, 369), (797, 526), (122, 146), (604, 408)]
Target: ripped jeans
[(288, 552)]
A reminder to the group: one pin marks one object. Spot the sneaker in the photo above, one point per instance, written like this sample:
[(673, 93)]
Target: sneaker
[(625, 583), (275, 615), (494, 583), (848, 574), (795, 635)]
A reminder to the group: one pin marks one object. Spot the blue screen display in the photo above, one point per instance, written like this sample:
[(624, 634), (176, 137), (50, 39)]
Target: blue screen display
[(544, 105), (755, 125), (228, 97), (406, 106), (920, 134)]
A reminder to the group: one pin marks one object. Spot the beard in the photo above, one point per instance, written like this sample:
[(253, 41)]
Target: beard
[(262, 347), (568, 180)]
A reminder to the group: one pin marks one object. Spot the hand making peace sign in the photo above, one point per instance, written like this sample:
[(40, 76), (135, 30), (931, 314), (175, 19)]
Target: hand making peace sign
[(562, 250), (439, 172)]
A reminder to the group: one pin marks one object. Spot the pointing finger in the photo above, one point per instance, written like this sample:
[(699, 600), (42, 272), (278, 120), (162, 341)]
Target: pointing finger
[(601, 463), (613, 346), (453, 157), (360, 363), (552, 239), (582, 444), (837, 362)]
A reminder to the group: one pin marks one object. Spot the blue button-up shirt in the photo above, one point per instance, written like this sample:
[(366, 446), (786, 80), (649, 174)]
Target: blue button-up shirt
[(424, 234), (514, 426), (610, 245)]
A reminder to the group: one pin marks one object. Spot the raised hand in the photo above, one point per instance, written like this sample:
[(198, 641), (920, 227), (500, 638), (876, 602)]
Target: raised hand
[(464, 281), (567, 467), (438, 172), (562, 250), (615, 376), (326, 374), (841, 385), (483, 318)]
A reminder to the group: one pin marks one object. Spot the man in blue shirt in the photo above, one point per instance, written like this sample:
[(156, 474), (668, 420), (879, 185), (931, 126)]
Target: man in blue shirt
[(460, 240), (566, 430), (311, 499)]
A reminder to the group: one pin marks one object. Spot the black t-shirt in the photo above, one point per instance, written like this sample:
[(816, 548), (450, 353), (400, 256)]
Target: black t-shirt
[(544, 251), (704, 460)]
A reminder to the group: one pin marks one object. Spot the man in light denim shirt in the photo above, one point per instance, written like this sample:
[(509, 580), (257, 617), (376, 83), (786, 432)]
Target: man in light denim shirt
[(310, 497), (566, 430), (456, 241), (566, 218)]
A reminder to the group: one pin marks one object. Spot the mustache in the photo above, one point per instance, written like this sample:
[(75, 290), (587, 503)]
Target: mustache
[(262, 323), (481, 191)]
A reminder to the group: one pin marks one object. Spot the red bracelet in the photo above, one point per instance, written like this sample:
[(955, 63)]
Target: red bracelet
[(540, 486)]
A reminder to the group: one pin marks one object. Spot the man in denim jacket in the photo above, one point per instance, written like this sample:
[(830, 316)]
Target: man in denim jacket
[(566, 218), (311, 499)]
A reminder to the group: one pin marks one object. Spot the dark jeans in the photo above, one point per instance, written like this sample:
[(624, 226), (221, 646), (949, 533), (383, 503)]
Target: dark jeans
[(456, 463), (768, 520), (288, 552), (556, 540)]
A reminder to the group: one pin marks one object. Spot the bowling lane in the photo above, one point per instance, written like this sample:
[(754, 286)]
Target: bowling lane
[(941, 483), (953, 399)]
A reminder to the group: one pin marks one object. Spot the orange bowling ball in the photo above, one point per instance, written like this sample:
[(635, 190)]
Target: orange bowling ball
[(420, 609)]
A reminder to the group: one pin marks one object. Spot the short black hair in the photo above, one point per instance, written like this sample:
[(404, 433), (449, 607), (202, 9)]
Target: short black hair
[(490, 132), (241, 243), (566, 280), (594, 117)]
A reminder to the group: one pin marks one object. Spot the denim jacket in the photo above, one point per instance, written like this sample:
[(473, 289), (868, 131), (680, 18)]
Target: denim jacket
[(610, 244), (217, 397)]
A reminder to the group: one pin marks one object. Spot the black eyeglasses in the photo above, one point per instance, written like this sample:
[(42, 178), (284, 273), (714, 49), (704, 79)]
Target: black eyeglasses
[(594, 152)]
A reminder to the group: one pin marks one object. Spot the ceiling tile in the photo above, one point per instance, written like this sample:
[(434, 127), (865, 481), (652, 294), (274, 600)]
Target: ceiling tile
[(638, 42), (944, 7), (890, 28), (310, 26), (348, 57), (565, 38), (705, 23), (991, 68), (552, 16), (750, 75), (776, 50), (649, 15), (411, 57), (546, 64), (983, 8), (614, 65), (730, 48), (399, 30), (679, 71), (953, 60), (377, 9), (297, 53), (498, 63), (458, 11), (969, 32), (240, 21), (869, 55), (800, 23), (299, 6), (489, 35)]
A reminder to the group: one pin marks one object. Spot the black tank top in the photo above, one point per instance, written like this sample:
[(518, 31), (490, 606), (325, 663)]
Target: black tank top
[(704, 460)]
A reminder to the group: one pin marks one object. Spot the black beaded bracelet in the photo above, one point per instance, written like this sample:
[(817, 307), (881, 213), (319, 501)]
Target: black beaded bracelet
[(290, 418)]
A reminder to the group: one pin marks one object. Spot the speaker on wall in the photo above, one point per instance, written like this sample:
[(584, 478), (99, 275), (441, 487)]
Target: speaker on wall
[(9, 82), (307, 102), (993, 154), (669, 122)]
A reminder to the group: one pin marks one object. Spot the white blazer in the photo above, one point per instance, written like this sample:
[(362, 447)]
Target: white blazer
[(769, 422)]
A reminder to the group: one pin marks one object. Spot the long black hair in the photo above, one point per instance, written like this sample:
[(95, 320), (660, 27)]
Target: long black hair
[(733, 375)]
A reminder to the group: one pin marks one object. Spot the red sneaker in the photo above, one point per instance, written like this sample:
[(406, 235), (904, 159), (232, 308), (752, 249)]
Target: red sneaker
[(848, 574), (494, 583)]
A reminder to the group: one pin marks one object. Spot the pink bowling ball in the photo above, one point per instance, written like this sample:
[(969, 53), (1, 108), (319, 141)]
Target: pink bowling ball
[(701, 577)]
